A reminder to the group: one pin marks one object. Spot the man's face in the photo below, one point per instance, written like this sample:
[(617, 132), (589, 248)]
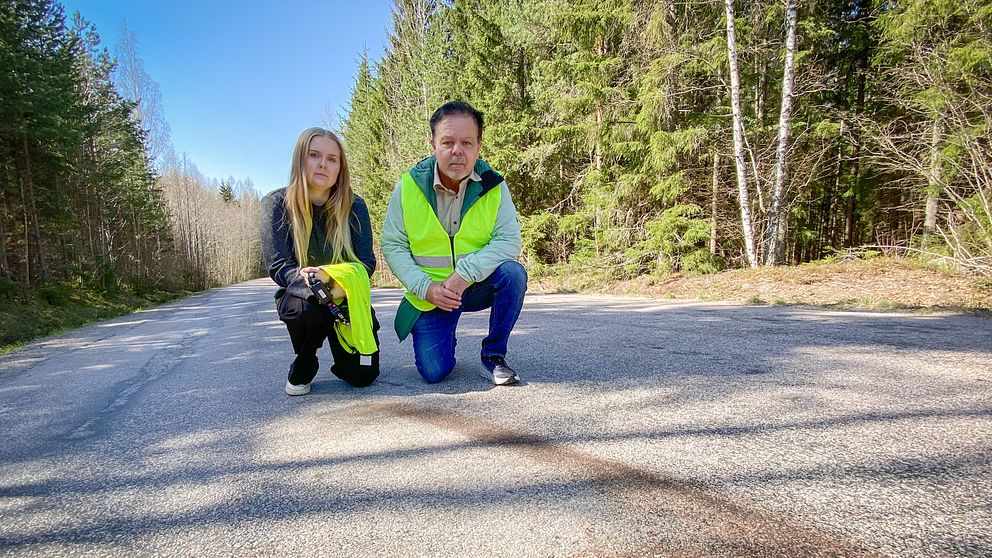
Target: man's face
[(456, 145)]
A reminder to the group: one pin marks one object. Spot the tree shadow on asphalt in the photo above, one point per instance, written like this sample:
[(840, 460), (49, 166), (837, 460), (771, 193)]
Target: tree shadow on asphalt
[(279, 498), (608, 344)]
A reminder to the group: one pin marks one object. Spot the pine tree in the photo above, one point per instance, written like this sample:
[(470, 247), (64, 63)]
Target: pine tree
[(364, 138), (36, 128), (937, 60), (225, 192)]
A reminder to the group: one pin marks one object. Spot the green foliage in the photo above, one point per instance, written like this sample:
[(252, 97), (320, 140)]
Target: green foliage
[(554, 239), (610, 120), (975, 230), (538, 232), (76, 188), (226, 192), (7, 288), (58, 306), (937, 61), (53, 294), (676, 242)]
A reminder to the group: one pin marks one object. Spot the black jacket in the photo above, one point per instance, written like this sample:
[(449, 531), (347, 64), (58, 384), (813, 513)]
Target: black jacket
[(277, 241)]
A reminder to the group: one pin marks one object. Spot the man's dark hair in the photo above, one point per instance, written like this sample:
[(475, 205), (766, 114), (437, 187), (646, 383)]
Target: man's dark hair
[(456, 107)]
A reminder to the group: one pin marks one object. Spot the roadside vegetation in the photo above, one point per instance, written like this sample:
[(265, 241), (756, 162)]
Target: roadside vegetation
[(843, 282), (94, 201), (848, 282), (55, 307), (99, 216)]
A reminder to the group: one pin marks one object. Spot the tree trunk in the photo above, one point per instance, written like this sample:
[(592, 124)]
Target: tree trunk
[(760, 89), (735, 102), (4, 267), (32, 231), (933, 183), (849, 211), (775, 233), (601, 50), (852, 200), (5, 270), (828, 222), (713, 201)]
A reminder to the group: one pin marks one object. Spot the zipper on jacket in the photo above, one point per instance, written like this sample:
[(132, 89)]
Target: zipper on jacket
[(452, 239)]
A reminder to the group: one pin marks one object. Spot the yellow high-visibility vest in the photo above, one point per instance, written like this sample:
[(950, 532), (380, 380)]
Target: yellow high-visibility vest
[(354, 280), (434, 251)]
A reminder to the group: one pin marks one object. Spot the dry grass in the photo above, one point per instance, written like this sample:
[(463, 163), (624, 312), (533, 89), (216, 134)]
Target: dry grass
[(877, 283)]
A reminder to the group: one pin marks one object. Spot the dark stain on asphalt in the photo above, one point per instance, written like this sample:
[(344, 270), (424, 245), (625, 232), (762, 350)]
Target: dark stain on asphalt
[(674, 517)]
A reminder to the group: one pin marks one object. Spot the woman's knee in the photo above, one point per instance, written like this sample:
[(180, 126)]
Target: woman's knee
[(353, 368), (365, 378)]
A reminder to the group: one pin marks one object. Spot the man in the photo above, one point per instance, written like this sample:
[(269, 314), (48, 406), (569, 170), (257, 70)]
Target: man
[(452, 237)]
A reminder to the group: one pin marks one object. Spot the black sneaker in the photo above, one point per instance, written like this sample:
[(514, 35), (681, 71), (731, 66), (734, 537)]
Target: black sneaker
[(496, 370)]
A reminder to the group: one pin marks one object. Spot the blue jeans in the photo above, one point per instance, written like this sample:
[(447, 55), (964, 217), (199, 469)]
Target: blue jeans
[(434, 333)]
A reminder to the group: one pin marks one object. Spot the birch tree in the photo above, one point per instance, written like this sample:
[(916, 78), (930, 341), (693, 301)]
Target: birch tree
[(775, 232), (135, 84), (738, 124)]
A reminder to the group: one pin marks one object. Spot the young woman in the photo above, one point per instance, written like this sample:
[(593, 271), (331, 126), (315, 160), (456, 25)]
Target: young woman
[(316, 227)]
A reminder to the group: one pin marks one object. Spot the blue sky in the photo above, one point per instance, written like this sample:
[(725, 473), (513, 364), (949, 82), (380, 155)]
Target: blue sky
[(240, 80)]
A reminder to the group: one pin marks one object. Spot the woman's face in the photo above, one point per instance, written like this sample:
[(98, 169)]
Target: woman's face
[(323, 162)]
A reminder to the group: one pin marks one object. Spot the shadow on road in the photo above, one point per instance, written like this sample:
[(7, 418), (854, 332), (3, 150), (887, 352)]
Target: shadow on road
[(202, 412)]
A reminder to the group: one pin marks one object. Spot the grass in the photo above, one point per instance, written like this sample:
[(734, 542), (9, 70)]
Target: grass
[(878, 283), (875, 283), (57, 307), (983, 284)]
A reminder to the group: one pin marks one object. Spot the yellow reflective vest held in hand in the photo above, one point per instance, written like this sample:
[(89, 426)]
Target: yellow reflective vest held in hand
[(354, 280)]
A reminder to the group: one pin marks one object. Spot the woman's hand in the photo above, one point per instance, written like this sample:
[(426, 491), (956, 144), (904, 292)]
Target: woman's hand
[(337, 293), (320, 273)]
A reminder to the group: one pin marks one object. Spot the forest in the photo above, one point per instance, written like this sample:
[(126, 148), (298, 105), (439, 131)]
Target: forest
[(698, 135), (637, 137), (91, 190)]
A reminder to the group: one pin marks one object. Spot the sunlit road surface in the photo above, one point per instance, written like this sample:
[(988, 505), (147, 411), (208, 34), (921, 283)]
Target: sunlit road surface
[(642, 428)]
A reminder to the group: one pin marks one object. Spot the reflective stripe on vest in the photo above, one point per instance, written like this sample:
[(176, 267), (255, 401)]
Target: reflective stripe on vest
[(434, 251)]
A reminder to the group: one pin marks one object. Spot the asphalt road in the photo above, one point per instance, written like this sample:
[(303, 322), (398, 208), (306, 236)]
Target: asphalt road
[(642, 428)]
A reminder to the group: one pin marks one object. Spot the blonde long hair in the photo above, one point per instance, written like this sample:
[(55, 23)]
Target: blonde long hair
[(298, 208)]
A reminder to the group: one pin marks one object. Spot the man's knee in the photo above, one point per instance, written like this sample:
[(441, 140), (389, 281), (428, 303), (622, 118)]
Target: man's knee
[(434, 372), (512, 275)]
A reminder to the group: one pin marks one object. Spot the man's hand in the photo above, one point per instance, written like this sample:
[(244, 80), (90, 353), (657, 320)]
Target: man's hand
[(456, 284), (442, 297)]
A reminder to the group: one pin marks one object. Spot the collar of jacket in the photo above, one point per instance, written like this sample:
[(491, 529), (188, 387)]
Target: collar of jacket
[(423, 176)]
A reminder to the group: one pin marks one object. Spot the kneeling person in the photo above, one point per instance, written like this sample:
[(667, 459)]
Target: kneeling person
[(452, 236), (317, 228)]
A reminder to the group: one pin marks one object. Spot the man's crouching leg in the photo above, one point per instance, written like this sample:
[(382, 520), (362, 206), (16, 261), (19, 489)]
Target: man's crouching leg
[(504, 291), (434, 344)]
